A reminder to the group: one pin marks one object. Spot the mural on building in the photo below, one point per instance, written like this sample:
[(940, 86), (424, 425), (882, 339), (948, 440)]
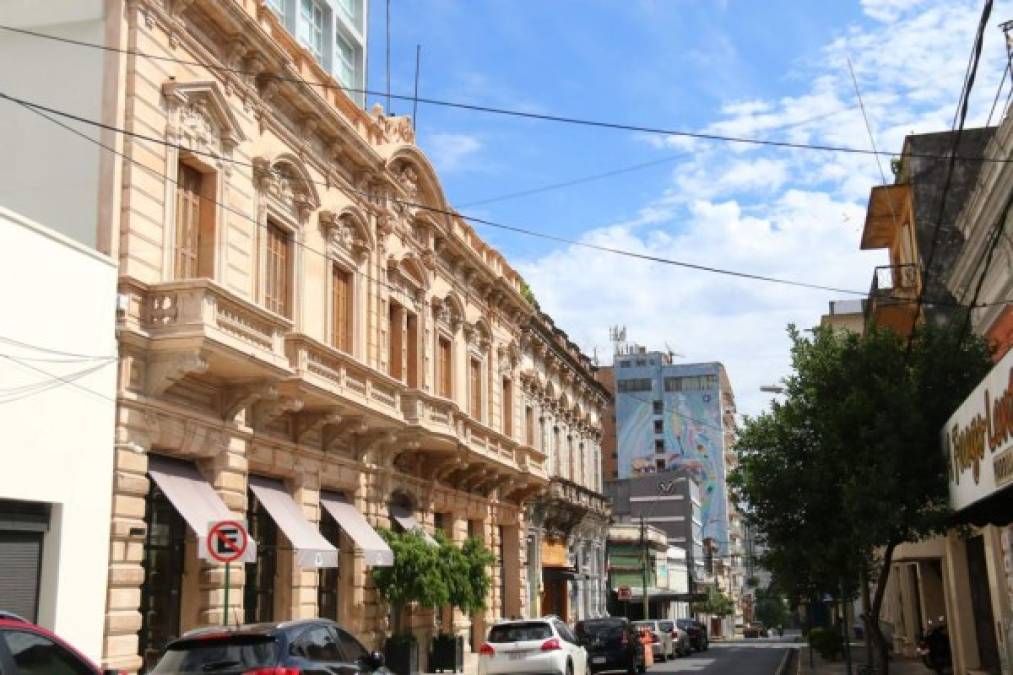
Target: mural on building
[(691, 428)]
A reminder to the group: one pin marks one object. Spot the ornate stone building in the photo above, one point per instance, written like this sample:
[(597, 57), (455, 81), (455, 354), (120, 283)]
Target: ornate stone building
[(311, 341)]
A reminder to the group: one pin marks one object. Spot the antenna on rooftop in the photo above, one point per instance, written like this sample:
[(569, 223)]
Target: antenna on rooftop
[(617, 335), (672, 353)]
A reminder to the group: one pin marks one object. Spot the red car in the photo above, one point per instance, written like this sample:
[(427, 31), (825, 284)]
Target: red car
[(27, 649)]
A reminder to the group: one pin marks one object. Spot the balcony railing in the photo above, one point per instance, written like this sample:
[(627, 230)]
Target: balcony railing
[(894, 281), (197, 310)]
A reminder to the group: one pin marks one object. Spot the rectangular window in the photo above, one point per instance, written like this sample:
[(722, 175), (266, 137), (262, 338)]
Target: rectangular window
[(311, 27), (529, 426), (341, 301), (508, 408), (659, 464), (634, 385), (659, 426), (659, 407), (344, 60), (475, 382), (444, 371), (659, 444), (349, 7), (276, 288), (412, 345), (395, 347), (194, 246), (691, 383)]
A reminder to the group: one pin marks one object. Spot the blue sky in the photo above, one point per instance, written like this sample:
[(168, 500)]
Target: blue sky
[(773, 69)]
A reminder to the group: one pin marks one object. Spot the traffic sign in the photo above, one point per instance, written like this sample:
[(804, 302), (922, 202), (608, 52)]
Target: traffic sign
[(624, 593), (227, 540)]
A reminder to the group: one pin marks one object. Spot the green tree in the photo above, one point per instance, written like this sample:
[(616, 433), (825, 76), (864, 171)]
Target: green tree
[(716, 604), (770, 607), (465, 570), (849, 465), (417, 576)]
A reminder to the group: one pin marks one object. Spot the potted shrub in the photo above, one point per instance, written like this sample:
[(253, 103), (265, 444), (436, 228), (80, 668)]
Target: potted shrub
[(416, 578), (466, 573)]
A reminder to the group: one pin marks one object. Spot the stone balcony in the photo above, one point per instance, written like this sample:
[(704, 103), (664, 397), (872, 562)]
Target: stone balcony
[(197, 326)]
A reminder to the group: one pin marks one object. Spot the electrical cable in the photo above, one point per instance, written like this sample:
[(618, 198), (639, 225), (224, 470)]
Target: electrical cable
[(959, 119), (59, 377), (42, 110), (13, 394), (998, 92), (563, 119), (999, 228), (83, 357), (630, 168)]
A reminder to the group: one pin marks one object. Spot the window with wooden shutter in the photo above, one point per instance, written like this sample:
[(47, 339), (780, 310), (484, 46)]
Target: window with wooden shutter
[(395, 341), (529, 426), (188, 222), (341, 300), (476, 389), (278, 272), (412, 349), (507, 408), (444, 371)]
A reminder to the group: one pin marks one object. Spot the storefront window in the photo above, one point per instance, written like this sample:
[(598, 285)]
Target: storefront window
[(328, 593), (258, 594), (164, 550)]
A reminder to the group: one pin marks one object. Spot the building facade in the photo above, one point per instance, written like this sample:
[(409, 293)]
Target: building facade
[(56, 480), (309, 341)]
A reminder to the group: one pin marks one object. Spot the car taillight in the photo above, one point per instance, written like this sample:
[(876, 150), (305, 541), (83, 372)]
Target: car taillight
[(274, 671), (551, 645), (487, 649), (675, 634), (626, 640)]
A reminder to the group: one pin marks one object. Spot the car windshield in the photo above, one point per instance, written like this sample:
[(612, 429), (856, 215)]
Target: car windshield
[(602, 629), (666, 625), (235, 653), (520, 632), (685, 623)]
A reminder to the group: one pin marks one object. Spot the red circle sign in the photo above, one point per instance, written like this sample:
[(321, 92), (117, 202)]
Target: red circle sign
[(227, 541)]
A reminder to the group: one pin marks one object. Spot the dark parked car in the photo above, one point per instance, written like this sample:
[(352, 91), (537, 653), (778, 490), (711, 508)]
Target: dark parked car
[(29, 649), (612, 644), (697, 633), (308, 647)]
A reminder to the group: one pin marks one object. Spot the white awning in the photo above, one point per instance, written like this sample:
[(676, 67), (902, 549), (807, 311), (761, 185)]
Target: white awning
[(311, 549), (375, 550), (406, 519), (194, 499)]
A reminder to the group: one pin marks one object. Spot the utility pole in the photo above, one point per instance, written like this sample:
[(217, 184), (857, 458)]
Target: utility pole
[(643, 564)]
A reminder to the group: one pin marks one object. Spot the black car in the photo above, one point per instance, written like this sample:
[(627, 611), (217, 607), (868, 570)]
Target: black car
[(307, 647), (611, 644), (697, 633)]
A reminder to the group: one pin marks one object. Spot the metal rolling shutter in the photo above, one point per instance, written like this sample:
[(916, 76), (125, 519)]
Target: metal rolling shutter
[(20, 556)]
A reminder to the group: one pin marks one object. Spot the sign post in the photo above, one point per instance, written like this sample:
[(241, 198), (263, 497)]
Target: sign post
[(227, 542)]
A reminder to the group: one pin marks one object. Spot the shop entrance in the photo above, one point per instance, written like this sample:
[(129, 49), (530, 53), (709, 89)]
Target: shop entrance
[(554, 595), (161, 593), (981, 603)]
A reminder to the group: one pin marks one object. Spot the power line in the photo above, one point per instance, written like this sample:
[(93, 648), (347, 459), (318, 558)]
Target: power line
[(525, 114), (83, 357), (13, 394), (64, 380), (630, 168), (959, 119), (999, 228), (41, 110)]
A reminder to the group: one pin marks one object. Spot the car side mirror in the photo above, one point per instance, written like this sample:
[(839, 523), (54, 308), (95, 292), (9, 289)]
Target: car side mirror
[(375, 660)]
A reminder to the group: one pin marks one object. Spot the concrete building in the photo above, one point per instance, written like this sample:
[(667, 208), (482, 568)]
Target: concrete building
[(308, 341), (59, 359), (978, 562), (629, 546), (846, 315), (609, 443)]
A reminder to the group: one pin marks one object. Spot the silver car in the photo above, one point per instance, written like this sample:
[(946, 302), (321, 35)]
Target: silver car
[(662, 644)]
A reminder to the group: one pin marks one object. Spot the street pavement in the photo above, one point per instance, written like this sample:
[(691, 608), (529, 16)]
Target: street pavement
[(732, 657)]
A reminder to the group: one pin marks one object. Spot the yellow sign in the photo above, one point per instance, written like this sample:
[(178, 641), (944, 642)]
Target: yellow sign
[(554, 554)]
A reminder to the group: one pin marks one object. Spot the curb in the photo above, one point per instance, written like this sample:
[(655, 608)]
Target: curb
[(786, 661)]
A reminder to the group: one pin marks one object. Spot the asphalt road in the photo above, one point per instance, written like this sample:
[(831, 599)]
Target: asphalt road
[(747, 657)]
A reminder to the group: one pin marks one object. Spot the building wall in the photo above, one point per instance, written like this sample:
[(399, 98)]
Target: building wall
[(30, 173), (67, 304), (692, 422), (609, 444)]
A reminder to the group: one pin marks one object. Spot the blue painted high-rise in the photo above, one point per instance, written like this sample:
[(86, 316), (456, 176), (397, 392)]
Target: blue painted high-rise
[(677, 417)]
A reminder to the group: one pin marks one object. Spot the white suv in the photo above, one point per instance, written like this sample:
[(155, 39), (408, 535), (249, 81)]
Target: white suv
[(545, 645)]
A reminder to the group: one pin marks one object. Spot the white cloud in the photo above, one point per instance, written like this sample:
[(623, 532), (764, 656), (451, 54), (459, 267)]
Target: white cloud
[(791, 214), (451, 151)]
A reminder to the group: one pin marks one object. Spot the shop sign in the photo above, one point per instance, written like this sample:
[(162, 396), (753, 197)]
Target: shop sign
[(554, 554), (978, 439)]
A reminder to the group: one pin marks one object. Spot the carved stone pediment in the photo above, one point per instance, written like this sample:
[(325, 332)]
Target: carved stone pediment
[(201, 117)]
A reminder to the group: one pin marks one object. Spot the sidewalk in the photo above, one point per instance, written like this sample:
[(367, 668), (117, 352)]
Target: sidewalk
[(898, 665)]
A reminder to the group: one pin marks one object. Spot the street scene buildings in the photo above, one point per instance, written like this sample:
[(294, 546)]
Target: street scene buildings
[(259, 373)]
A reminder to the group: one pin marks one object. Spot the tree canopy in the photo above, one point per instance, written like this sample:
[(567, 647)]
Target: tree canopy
[(849, 464)]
